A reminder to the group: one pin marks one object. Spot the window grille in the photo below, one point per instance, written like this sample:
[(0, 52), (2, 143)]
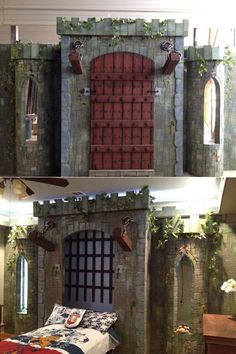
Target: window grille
[(89, 269)]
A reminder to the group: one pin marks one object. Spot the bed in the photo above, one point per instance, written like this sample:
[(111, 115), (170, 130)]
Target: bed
[(94, 335)]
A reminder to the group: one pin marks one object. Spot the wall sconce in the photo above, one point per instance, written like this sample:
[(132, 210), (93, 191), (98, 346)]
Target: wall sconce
[(173, 57), (75, 57), (167, 46)]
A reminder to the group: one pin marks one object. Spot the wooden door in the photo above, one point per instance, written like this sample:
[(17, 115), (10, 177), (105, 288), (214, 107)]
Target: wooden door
[(122, 112)]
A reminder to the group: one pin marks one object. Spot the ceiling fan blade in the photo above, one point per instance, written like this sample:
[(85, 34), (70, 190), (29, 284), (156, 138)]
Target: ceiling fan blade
[(29, 191), (60, 182)]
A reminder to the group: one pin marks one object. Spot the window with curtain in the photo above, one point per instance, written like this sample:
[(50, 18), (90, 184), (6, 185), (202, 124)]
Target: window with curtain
[(31, 109), (22, 285), (211, 112)]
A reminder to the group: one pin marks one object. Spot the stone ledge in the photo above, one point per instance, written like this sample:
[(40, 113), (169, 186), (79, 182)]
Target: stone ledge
[(121, 173), (206, 52)]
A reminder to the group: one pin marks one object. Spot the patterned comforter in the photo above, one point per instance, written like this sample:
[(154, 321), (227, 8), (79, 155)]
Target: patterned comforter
[(56, 338)]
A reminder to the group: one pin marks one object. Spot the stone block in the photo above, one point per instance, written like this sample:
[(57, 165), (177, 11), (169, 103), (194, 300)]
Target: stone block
[(179, 85), (178, 139), (170, 27), (65, 170), (99, 27), (140, 31), (178, 99), (207, 52), (185, 25), (66, 99), (65, 85), (107, 26), (179, 117), (155, 26), (179, 71), (179, 30), (124, 29), (131, 29)]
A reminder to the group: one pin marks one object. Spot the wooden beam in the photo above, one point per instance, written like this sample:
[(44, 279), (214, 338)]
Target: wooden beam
[(122, 238)]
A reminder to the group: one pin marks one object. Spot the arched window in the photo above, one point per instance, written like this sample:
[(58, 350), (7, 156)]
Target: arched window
[(31, 109), (211, 112), (22, 284), (184, 270)]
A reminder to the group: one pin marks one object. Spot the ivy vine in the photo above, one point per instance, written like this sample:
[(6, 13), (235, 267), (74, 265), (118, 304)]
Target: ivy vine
[(202, 63), (67, 24), (125, 203), (172, 228), (211, 229), (117, 37), (227, 60), (16, 233)]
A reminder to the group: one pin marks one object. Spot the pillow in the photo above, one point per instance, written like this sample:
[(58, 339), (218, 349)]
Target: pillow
[(101, 321), (74, 318), (58, 315)]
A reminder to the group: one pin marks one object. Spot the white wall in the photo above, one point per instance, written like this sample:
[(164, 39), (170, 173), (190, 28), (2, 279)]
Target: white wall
[(37, 19), (37, 34)]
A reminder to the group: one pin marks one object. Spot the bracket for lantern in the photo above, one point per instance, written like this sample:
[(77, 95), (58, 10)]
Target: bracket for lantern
[(167, 46), (173, 57), (120, 234), (38, 237), (171, 62), (75, 57)]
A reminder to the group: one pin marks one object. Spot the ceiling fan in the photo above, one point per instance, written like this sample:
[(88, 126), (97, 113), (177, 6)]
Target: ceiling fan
[(20, 187)]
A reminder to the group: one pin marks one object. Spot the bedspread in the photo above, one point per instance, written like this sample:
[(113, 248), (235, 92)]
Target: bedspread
[(56, 338)]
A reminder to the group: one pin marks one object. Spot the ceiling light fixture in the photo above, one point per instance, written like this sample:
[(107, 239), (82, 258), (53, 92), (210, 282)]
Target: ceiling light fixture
[(18, 187)]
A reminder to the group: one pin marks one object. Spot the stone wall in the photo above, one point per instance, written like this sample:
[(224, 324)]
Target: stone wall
[(206, 293), (203, 64), (131, 285), (7, 112), (137, 37), (196, 251), (230, 109), (165, 297), (38, 157)]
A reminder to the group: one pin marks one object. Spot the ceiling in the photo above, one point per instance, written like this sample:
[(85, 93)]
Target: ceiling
[(45, 11), (168, 188), (228, 203), (198, 195), (194, 195)]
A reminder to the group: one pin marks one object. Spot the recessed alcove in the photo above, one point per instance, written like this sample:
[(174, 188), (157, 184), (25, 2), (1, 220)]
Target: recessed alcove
[(184, 273)]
